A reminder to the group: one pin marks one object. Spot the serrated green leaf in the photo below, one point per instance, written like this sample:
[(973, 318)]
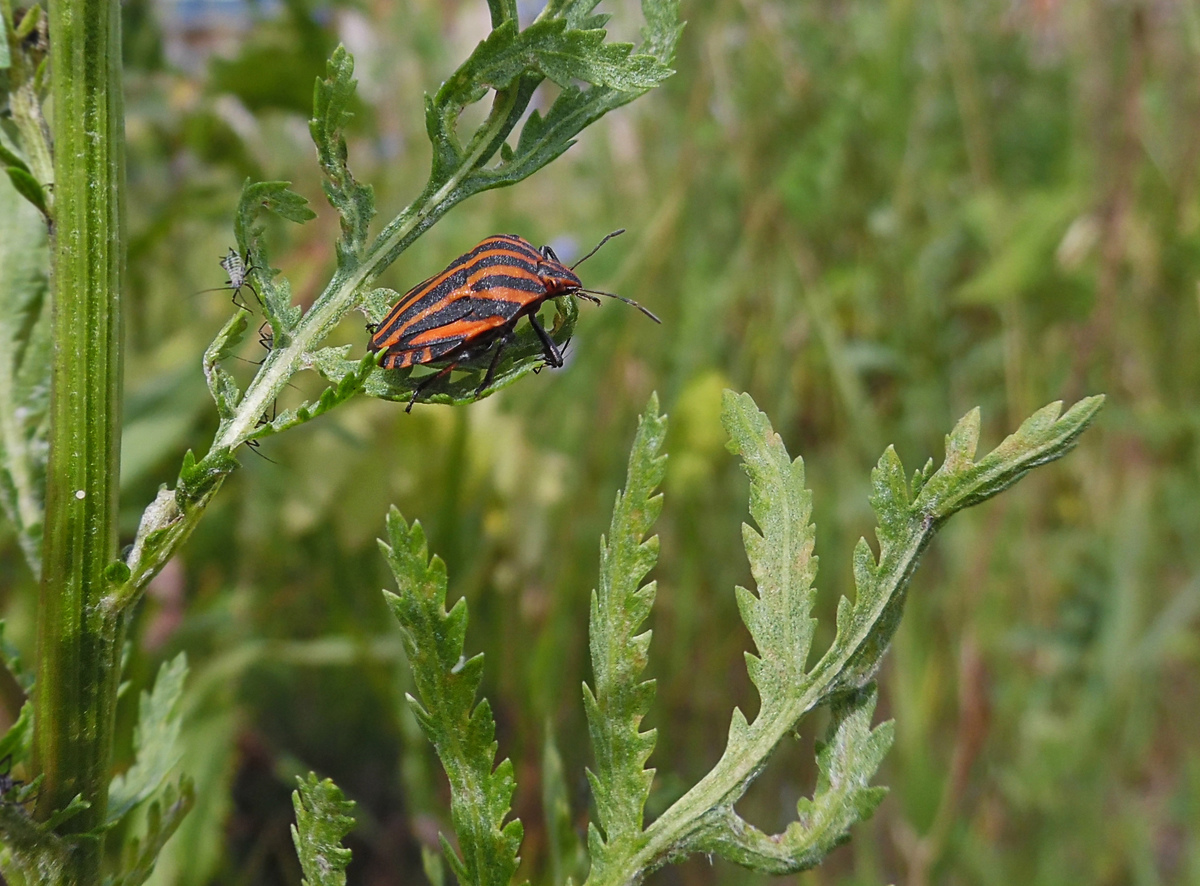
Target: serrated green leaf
[(620, 698), (513, 62), (568, 861), (163, 818), (780, 551), (1043, 437), (354, 203), (345, 388), (221, 385), (277, 198), (662, 29), (890, 501), (846, 762), (461, 731), (323, 818), (17, 741), (155, 741), (25, 353), (551, 48), (704, 820), (905, 530)]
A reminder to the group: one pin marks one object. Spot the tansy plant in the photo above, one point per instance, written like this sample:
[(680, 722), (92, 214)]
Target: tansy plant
[(621, 847), (61, 219), (61, 209)]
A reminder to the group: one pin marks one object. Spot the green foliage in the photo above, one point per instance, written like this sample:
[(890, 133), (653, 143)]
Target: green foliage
[(355, 203), (322, 820), (620, 699), (461, 731), (16, 741), (801, 194), (156, 744), (278, 199), (568, 859), (346, 387), (780, 623), (560, 45), (25, 148), (780, 553), (24, 370), (166, 812), (908, 518), (846, 760), (510, 62), (221, 383), (778, 615)]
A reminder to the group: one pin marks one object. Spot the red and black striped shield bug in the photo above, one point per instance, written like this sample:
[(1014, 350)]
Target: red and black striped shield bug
[(470, 308)]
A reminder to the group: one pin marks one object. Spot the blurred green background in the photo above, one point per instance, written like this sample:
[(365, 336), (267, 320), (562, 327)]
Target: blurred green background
[(873, 215)]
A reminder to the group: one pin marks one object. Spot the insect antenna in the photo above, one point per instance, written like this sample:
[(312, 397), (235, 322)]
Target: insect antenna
[(239, 271), (590, 295), (607, 237)]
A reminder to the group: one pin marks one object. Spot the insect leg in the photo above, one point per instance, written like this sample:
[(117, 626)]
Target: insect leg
[(257, 297), (425, 382), (236, 302), (501, 344), (553, 354)]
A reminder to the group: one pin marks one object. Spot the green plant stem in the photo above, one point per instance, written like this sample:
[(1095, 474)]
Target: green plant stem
[(704, 816), (706, 805), (342, 294), (340, 297), (78, 637)]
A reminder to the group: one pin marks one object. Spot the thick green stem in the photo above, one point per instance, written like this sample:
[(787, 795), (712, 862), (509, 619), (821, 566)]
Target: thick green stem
[(78, 636)]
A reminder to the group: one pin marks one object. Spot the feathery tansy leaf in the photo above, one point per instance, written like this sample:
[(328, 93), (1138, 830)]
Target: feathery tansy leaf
[(278, 198), (620, 699), (461, 731), (780, 553), (909, 518), (344, 388), (155, 741), (568, 860), (221, 384), (25, 353), (163, 818), (323, 818), (355, 203), (846, 760)]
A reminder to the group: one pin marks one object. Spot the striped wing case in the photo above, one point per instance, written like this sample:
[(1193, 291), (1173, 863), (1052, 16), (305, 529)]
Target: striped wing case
[(478, 298)]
